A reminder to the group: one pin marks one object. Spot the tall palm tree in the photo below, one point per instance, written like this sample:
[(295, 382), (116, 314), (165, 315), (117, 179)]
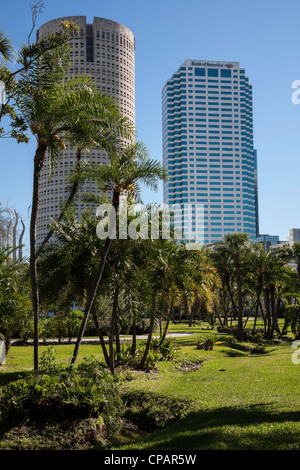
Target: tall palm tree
[(68, 267), (57, 109), (257, 267), (128, 167), (277, 277), (235, 246)]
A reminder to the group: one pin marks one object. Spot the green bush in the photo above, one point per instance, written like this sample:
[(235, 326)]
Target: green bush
[(168, 349), (206, 342), (164, 352), (127, 359), (85, 391)]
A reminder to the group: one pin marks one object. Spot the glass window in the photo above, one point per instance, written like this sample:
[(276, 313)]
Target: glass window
[(213, 72), (199, 72), (226, 73)]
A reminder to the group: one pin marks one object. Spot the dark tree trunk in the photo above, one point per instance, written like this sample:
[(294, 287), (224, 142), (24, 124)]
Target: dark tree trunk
[(97, 280), (113, 329), (240, 329), (163, 336), (133, 347), (191, 318), (263, 316), (259, 291), (100, 334), (91, 298), (39, 160), (268, 313), (151, 329)]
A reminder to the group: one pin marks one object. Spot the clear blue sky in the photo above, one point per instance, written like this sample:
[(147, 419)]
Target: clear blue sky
[(263, 35)]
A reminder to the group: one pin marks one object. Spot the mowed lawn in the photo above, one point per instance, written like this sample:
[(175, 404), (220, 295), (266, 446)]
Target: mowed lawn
[(238, 400)]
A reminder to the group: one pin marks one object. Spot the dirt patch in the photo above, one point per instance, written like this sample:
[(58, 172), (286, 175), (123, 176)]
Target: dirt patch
[(190, 367)]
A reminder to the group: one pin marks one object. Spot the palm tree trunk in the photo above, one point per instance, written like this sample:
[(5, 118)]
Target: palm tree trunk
[(263, 316), (97, 280), (180, 311), (240, 305), (133, 347), (118, 343), (268, 313), (234, 309), (113, 328), (273, 310), (39, 160), (163, 336), (100, 334), (215, 309), (192, 312), (248, 316), (151, 328), (256, 314), (259, 291), (91, 298)]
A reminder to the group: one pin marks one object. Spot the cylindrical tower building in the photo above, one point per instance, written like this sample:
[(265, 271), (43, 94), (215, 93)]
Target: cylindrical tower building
[(105, 50)]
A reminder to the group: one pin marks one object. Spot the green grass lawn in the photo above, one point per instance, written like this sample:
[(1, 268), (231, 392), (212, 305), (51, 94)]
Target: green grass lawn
[(238, 400)]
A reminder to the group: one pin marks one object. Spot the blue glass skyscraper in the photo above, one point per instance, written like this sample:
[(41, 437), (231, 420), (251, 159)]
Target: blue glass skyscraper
[(208, 148)]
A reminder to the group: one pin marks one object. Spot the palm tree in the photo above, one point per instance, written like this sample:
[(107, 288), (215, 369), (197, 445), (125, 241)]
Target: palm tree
[(277, 277), (105, 129), (233, 252), (127, 168), (6, 47), (57, 109), (68, 267), (257, 266), (14, 301)]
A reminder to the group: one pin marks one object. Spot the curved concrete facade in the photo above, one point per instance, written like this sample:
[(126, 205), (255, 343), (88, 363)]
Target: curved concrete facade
[(104, 49)]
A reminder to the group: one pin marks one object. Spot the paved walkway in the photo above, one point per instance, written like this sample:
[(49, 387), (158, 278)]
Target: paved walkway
[(96, 340)]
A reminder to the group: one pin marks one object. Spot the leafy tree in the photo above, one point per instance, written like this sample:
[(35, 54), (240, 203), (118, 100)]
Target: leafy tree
[(57, 109), (14, 300), (127, 167)]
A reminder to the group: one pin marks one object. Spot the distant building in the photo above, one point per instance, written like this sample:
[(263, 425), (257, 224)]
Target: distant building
[(208, 149), (267, 240), (105, 50), (294, 237)]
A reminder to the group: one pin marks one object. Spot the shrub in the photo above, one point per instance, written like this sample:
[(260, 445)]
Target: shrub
[(164, 352), (168, 349), (206, 342), (85, 391)]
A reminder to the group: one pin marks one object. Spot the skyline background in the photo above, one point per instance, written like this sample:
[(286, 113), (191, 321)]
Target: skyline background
[(262, 35)]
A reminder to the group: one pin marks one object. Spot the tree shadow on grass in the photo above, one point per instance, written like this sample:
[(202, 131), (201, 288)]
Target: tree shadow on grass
[(254, 427), (7, 377), (234, 353)]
